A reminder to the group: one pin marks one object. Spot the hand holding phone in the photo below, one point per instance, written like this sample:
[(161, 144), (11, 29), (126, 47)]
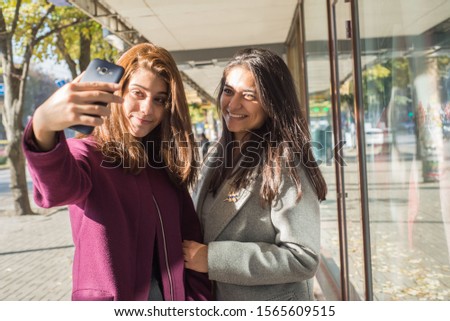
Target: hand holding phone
[(99, 70)]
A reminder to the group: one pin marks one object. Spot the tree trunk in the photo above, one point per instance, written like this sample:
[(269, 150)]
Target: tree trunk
[(18, 183), (62, 48), (15, 83), (85, 51), (15, 80), (12, 120)]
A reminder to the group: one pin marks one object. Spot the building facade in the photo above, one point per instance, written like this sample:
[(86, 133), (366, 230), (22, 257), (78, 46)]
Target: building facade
[(375, 79)]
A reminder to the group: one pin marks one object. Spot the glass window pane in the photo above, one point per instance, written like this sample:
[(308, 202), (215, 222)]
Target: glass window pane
[(321, 125), (351, 163), (406, 84)]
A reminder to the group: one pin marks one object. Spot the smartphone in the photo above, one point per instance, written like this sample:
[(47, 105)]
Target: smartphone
[(99, 70)]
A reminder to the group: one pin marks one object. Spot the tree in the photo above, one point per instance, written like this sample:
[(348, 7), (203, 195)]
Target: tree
[(77, 44), (23, 27)]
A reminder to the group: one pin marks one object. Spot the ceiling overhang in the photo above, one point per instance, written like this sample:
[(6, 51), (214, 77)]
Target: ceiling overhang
[(203, 35)]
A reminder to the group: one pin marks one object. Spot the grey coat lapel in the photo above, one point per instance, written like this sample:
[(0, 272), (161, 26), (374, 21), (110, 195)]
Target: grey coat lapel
[(201, 188), (221, 212)]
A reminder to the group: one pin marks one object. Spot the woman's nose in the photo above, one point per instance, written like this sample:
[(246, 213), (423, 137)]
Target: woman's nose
[(146, 107), (234, 102)]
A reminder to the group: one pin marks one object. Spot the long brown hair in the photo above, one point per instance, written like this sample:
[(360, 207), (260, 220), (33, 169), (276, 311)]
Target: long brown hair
[(170, 144), (281, 143)]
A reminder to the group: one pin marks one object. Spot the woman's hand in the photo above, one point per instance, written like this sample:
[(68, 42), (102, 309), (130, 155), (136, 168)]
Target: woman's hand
[(75, 103), (195, 256)]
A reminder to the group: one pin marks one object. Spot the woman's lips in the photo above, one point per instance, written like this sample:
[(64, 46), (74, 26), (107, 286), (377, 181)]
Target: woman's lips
[(143, 121), (236, 115)]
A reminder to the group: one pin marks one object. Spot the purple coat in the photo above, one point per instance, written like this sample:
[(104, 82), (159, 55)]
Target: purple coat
[(116, 219)]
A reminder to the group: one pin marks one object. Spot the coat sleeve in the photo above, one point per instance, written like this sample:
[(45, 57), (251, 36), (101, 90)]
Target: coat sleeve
[(292, 257), (197, 285), (60, 176)]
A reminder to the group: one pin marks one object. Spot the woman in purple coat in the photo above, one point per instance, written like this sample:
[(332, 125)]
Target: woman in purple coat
[(126, 184)]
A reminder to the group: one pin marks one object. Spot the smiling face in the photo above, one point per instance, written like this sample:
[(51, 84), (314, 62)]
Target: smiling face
[(240, 103), (144, 102)]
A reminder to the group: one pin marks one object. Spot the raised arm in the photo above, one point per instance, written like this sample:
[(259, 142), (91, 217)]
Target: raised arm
[(75, 103), (61, 175)]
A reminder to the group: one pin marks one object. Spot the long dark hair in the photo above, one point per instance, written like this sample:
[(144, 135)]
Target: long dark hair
[(280, 144)]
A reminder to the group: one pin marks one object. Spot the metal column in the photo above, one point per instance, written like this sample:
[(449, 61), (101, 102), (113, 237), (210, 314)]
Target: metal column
[(361, 144), (338, 161)]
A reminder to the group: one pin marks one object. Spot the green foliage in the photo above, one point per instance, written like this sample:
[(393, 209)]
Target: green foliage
[(443, 65), (401, 72), (373, 77), (347, 99), (378, 80), (29, 16), (400, 100), (31, 12), (62, 16), (197, 113), (90, 29)]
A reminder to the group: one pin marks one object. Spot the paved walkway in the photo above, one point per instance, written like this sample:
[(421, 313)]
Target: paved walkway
[(36, 251), (36, 257), (409, 228)]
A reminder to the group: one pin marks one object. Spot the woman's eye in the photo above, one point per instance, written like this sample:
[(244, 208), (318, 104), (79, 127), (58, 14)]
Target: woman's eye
[(161, 100), (136, 93), (249, 96), (227, 91)]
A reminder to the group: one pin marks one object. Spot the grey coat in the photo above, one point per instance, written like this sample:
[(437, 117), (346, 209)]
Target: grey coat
[(257, 253)]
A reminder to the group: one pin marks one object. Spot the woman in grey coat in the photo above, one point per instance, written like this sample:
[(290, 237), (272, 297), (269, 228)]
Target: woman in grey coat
[(258, 197)]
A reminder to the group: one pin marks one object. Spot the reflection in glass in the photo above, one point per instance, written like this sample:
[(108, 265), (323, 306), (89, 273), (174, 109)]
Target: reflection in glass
[(405, 101), (406, 95)]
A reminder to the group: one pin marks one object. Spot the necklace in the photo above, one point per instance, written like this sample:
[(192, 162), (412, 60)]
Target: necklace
[(231, 198)]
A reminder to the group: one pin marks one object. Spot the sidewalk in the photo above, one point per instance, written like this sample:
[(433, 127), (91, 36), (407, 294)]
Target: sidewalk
[(36, 252), (36, 257)]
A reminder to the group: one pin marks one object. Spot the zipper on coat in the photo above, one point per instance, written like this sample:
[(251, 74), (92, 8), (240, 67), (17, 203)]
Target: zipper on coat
[(166, 256)]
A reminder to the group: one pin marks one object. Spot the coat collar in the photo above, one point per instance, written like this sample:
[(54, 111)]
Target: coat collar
[(222, 210)]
